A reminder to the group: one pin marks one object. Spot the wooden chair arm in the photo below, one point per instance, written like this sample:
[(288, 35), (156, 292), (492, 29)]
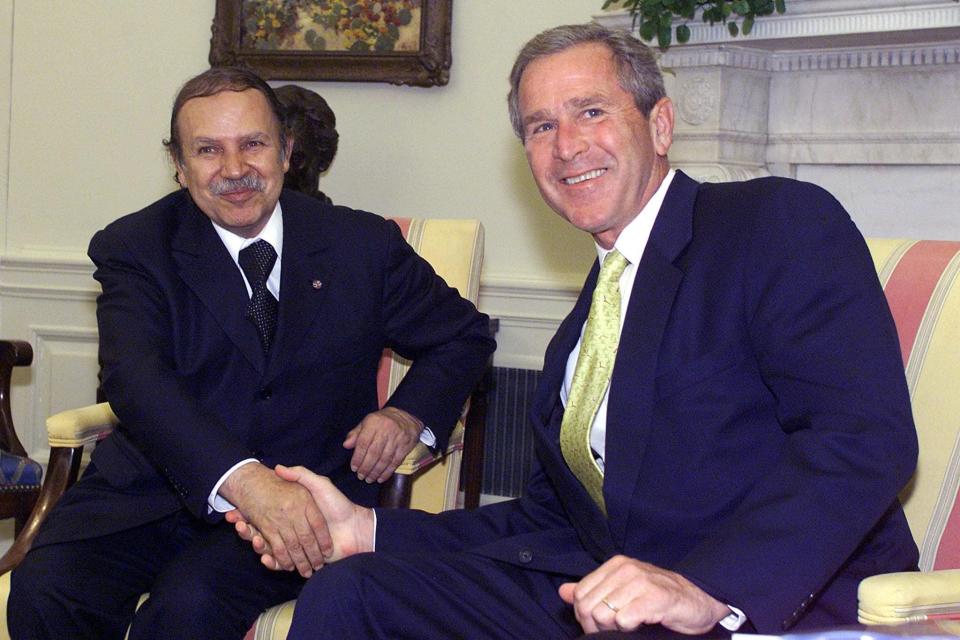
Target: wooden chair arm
[(67, 433), (61, 473)]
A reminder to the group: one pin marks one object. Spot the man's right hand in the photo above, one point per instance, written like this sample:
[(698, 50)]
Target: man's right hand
[(285, 515), (351, 526)]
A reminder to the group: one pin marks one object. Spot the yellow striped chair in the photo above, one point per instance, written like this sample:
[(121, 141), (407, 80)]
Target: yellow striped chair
[(423, 480), (922, 285)]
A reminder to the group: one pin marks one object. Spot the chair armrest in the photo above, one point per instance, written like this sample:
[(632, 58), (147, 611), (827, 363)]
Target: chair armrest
[(892, 598), (67, 433), (421, 457), (79, 427)]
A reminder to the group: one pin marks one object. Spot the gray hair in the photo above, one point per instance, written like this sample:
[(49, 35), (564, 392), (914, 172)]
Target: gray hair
[(637, 70)]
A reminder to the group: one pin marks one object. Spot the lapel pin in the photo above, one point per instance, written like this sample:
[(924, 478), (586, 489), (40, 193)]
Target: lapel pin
[(316, 284)]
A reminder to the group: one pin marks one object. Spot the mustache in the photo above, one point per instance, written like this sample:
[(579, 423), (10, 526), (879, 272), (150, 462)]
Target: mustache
[(226, 185)]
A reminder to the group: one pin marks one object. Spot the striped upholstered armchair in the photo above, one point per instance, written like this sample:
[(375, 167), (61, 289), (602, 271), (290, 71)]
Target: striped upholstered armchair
[(922, 282)]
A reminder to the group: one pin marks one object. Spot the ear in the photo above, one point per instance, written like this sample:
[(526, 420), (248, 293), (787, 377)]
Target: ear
[(661, 125), (287, 152), (179, 168)]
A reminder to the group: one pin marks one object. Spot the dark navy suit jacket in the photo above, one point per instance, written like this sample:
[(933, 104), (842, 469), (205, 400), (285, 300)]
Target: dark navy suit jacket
[(758, 428), (184, 371)]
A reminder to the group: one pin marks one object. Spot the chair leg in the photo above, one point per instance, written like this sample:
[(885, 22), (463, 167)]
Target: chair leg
[(473, 443), (395, 493), (27, 502)]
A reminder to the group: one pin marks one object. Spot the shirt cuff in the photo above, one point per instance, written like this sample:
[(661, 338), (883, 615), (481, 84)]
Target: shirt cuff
[(373, 542), (735, 620), (214, 501), (427, 437)]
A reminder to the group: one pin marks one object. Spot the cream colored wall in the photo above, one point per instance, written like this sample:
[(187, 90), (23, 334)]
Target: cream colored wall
[(93, 81)]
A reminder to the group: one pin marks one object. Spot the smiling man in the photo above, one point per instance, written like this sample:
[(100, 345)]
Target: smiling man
[(722, 425), (241, 326)]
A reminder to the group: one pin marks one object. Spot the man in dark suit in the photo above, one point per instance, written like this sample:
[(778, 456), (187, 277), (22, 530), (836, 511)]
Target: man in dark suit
[(240, 326), (739, 468)]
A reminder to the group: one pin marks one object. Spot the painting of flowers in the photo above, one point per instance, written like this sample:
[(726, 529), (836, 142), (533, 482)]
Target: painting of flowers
[(396, 41), (332, 25)]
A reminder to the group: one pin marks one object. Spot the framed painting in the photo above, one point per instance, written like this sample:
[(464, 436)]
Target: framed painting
[(404, 42)]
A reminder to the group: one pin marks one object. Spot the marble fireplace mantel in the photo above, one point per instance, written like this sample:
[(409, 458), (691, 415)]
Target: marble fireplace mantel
[(831, 82)]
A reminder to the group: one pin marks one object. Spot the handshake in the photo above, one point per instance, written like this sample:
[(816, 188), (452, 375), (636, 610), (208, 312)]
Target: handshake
[(331, 528), (296, 519)]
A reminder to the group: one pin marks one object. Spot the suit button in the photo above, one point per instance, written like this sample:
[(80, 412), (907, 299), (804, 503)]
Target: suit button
[(266, 393), (525, 556)]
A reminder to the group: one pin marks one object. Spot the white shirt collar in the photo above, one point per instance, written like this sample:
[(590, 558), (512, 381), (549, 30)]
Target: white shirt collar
[(272, 233), (633, 239)]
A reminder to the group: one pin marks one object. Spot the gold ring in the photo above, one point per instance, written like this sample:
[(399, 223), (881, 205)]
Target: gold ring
[(610, 606)]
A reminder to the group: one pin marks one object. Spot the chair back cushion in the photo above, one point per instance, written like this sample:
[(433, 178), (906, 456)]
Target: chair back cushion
[(454, 248), (921, 282)]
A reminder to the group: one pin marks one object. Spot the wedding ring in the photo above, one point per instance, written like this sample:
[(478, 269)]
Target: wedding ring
[(610, 606)]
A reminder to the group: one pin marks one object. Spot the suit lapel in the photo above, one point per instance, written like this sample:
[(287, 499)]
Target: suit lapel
[(207, 268), (304, 271), (631, 400)]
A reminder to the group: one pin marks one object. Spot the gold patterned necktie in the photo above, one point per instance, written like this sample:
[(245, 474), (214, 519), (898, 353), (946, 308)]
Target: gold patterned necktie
[(598, 349)]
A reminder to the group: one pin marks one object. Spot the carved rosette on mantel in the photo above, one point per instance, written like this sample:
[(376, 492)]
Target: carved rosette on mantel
[(830, 82)]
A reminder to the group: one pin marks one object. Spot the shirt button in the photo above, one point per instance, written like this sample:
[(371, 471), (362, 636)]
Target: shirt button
[(526, 556)]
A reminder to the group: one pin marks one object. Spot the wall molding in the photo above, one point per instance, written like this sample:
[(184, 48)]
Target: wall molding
[(529, 308), (64, 376)]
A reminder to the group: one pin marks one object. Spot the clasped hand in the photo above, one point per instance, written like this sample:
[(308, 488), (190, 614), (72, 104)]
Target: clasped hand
[(350, 526), (282, 518)]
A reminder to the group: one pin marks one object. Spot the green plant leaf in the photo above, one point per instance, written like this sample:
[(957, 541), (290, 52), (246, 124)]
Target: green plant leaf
[(781, 6), (648, 30), (683, 33), (664, 35), (733, 28), (747, 25)]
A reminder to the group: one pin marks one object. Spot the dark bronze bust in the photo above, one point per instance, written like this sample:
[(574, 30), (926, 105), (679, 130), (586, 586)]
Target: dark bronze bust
[(314, 127)]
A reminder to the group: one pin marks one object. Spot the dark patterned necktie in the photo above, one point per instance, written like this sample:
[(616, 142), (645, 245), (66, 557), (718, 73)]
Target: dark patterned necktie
[(257, 262)]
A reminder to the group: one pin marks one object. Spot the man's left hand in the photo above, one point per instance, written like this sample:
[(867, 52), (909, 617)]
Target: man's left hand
[(381, 441), (625, 593)]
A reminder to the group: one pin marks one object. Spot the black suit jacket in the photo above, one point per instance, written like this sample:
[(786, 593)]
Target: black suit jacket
[(758, 428), (184, 371)]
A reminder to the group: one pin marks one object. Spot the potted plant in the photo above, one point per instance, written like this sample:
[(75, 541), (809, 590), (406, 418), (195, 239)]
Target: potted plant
[(656, 17)]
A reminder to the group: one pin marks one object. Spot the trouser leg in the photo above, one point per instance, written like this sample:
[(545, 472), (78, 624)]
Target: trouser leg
[(214, 588), (87, 588), (394, 596)]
